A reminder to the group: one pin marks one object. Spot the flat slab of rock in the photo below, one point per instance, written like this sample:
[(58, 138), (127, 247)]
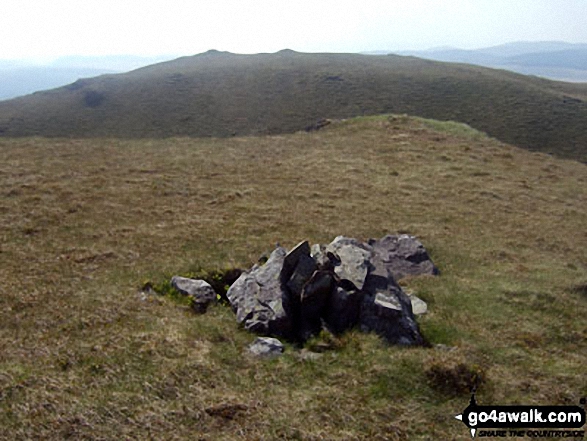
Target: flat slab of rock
[(266, 347), (201, 292)]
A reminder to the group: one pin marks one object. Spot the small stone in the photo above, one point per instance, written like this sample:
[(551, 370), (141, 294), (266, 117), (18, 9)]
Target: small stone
[(444, 348), (266, 347), (199, 290), (419, 306)]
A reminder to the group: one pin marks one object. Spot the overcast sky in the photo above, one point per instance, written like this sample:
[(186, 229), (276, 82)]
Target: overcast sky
[(47, 29)]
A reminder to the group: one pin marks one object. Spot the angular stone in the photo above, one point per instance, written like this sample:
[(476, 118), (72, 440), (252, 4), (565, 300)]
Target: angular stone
[(404, 255), (260, 301), (353, 258), (419, 306), (291, 259), (266, 347), (301, 275), (199, 290)]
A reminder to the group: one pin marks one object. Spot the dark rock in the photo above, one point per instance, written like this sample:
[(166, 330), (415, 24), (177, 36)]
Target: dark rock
[(389, 315), (404, 255), (291, 259), (301, 275), (386, 309), (318, 125), (260, 301), (199, 290), (342, 310), (266, 347), (221, 280), (314, 299)]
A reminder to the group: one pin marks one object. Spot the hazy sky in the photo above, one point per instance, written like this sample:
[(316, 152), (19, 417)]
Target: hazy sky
[(46, 29)]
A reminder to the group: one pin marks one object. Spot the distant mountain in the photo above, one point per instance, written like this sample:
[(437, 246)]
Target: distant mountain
[(550, 59), (569, 59), (530, 47), (18, 77), (224, 94)]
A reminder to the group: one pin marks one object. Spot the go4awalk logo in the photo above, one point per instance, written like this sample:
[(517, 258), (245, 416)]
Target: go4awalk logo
[(520, 421)]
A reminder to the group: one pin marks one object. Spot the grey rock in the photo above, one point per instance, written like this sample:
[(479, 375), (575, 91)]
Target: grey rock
[(201, 292), (260, 301), (316, 250), (404, 255), (353, 256), (266, 347), (324, 260)]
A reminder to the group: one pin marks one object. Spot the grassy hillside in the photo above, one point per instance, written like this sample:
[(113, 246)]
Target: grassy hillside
[(86, 222), (223, 94)]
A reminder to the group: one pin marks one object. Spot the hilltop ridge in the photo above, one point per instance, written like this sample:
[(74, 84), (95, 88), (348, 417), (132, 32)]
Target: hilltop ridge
[(223, 94)]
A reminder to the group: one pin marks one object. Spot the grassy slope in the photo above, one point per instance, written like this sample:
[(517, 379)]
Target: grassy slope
[(221, 94), (85, 222)]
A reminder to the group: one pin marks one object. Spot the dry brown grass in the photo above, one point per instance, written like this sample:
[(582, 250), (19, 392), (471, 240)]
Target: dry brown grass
[(84, 223)]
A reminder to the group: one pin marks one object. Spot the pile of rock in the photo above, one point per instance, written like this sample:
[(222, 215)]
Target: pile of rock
[(344, 284)]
